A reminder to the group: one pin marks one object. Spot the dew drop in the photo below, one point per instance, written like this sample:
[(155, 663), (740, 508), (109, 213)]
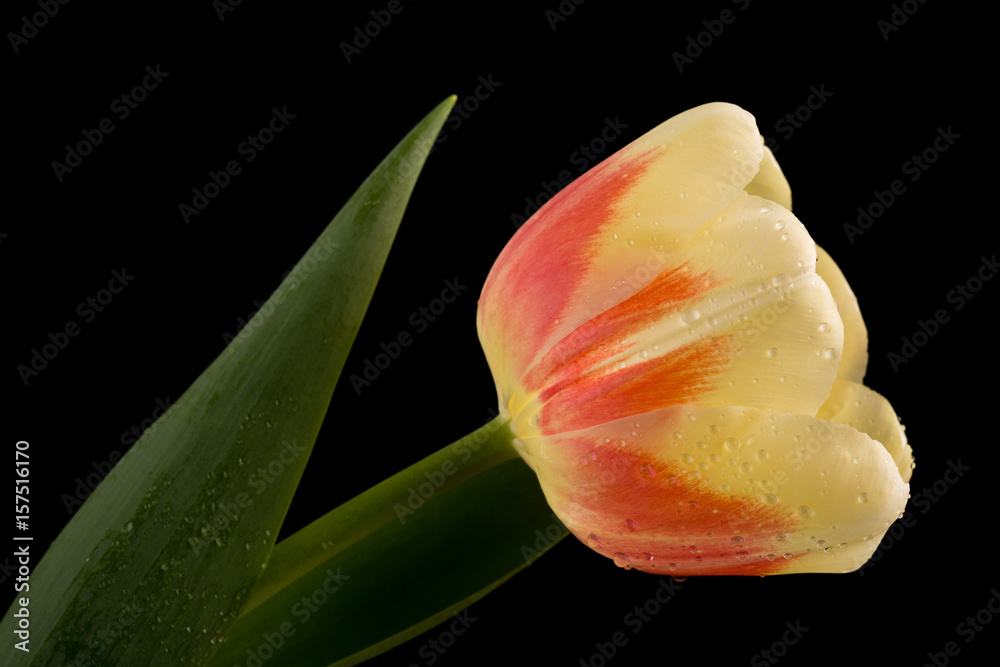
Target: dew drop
[(689, 315), (737, 540), (830, 353), (805, 511), (862, 497), (773, 352), (762, 454), (647, 471), (631, 525), (742, 556), (823, 327), (623, 560), (732, 444), (593, 541)]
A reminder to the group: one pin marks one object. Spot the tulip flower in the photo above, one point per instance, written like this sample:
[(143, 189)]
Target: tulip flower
[(681, 365)]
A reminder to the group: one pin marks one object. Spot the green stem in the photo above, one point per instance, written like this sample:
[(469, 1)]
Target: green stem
[(390, 500)]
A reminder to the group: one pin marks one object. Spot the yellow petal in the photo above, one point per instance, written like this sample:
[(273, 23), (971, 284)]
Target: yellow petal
[(869, 412), (721, 490), (770, 182), (611, 232), (854, 362)]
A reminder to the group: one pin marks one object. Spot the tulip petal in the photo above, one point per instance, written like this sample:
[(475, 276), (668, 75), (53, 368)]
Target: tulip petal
[(869, 412), (770, 182), (690, 490), (854, 361), (610, 233), (740, 319)]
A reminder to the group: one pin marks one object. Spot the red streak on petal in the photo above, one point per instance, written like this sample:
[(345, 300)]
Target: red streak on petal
[(686, 527), (537, 272), (578, 380), (605, 335)]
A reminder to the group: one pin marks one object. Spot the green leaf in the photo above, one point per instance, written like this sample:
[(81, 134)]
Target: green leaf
[(158, 563), (398, 559)]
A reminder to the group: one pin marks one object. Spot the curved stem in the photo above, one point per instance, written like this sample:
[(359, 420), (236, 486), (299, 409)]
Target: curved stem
[(393, 499)]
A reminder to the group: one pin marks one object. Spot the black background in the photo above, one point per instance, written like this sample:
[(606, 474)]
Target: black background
[(555, 88)]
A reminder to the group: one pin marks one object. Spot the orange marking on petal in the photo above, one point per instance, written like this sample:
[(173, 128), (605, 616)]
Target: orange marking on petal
[(665, 521), (607, 394), (604, 336)]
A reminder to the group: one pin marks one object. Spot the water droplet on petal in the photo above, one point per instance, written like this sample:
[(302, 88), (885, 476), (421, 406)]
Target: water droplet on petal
[(623, 560), (631, 525), (805, 511)]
